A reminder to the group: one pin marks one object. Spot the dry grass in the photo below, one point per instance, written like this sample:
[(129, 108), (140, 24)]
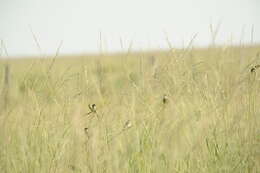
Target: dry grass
[(176, 111)]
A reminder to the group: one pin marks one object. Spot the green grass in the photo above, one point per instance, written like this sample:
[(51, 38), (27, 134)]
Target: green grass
[(210, 122)]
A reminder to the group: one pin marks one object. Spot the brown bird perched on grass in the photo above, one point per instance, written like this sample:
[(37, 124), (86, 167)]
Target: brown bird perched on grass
[(165, 99), (92, 108), (254, 68)]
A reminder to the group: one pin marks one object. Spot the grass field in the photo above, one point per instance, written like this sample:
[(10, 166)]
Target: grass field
[(192, 110)]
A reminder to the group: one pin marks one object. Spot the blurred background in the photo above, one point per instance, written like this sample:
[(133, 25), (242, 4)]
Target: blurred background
[(84, 26)]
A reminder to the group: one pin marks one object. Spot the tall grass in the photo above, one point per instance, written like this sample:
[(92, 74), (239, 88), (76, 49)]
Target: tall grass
[(184, 111)]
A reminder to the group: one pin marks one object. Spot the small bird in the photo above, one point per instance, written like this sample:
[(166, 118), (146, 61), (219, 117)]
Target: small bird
[(86, 130), (93, 108), (127, 125), (165, 99), (254, 68)]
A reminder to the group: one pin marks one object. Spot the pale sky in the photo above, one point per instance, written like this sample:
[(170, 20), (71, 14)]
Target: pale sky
[(145, 23)]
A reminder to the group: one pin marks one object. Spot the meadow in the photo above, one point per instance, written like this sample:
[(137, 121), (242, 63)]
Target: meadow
[(180, 110)]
